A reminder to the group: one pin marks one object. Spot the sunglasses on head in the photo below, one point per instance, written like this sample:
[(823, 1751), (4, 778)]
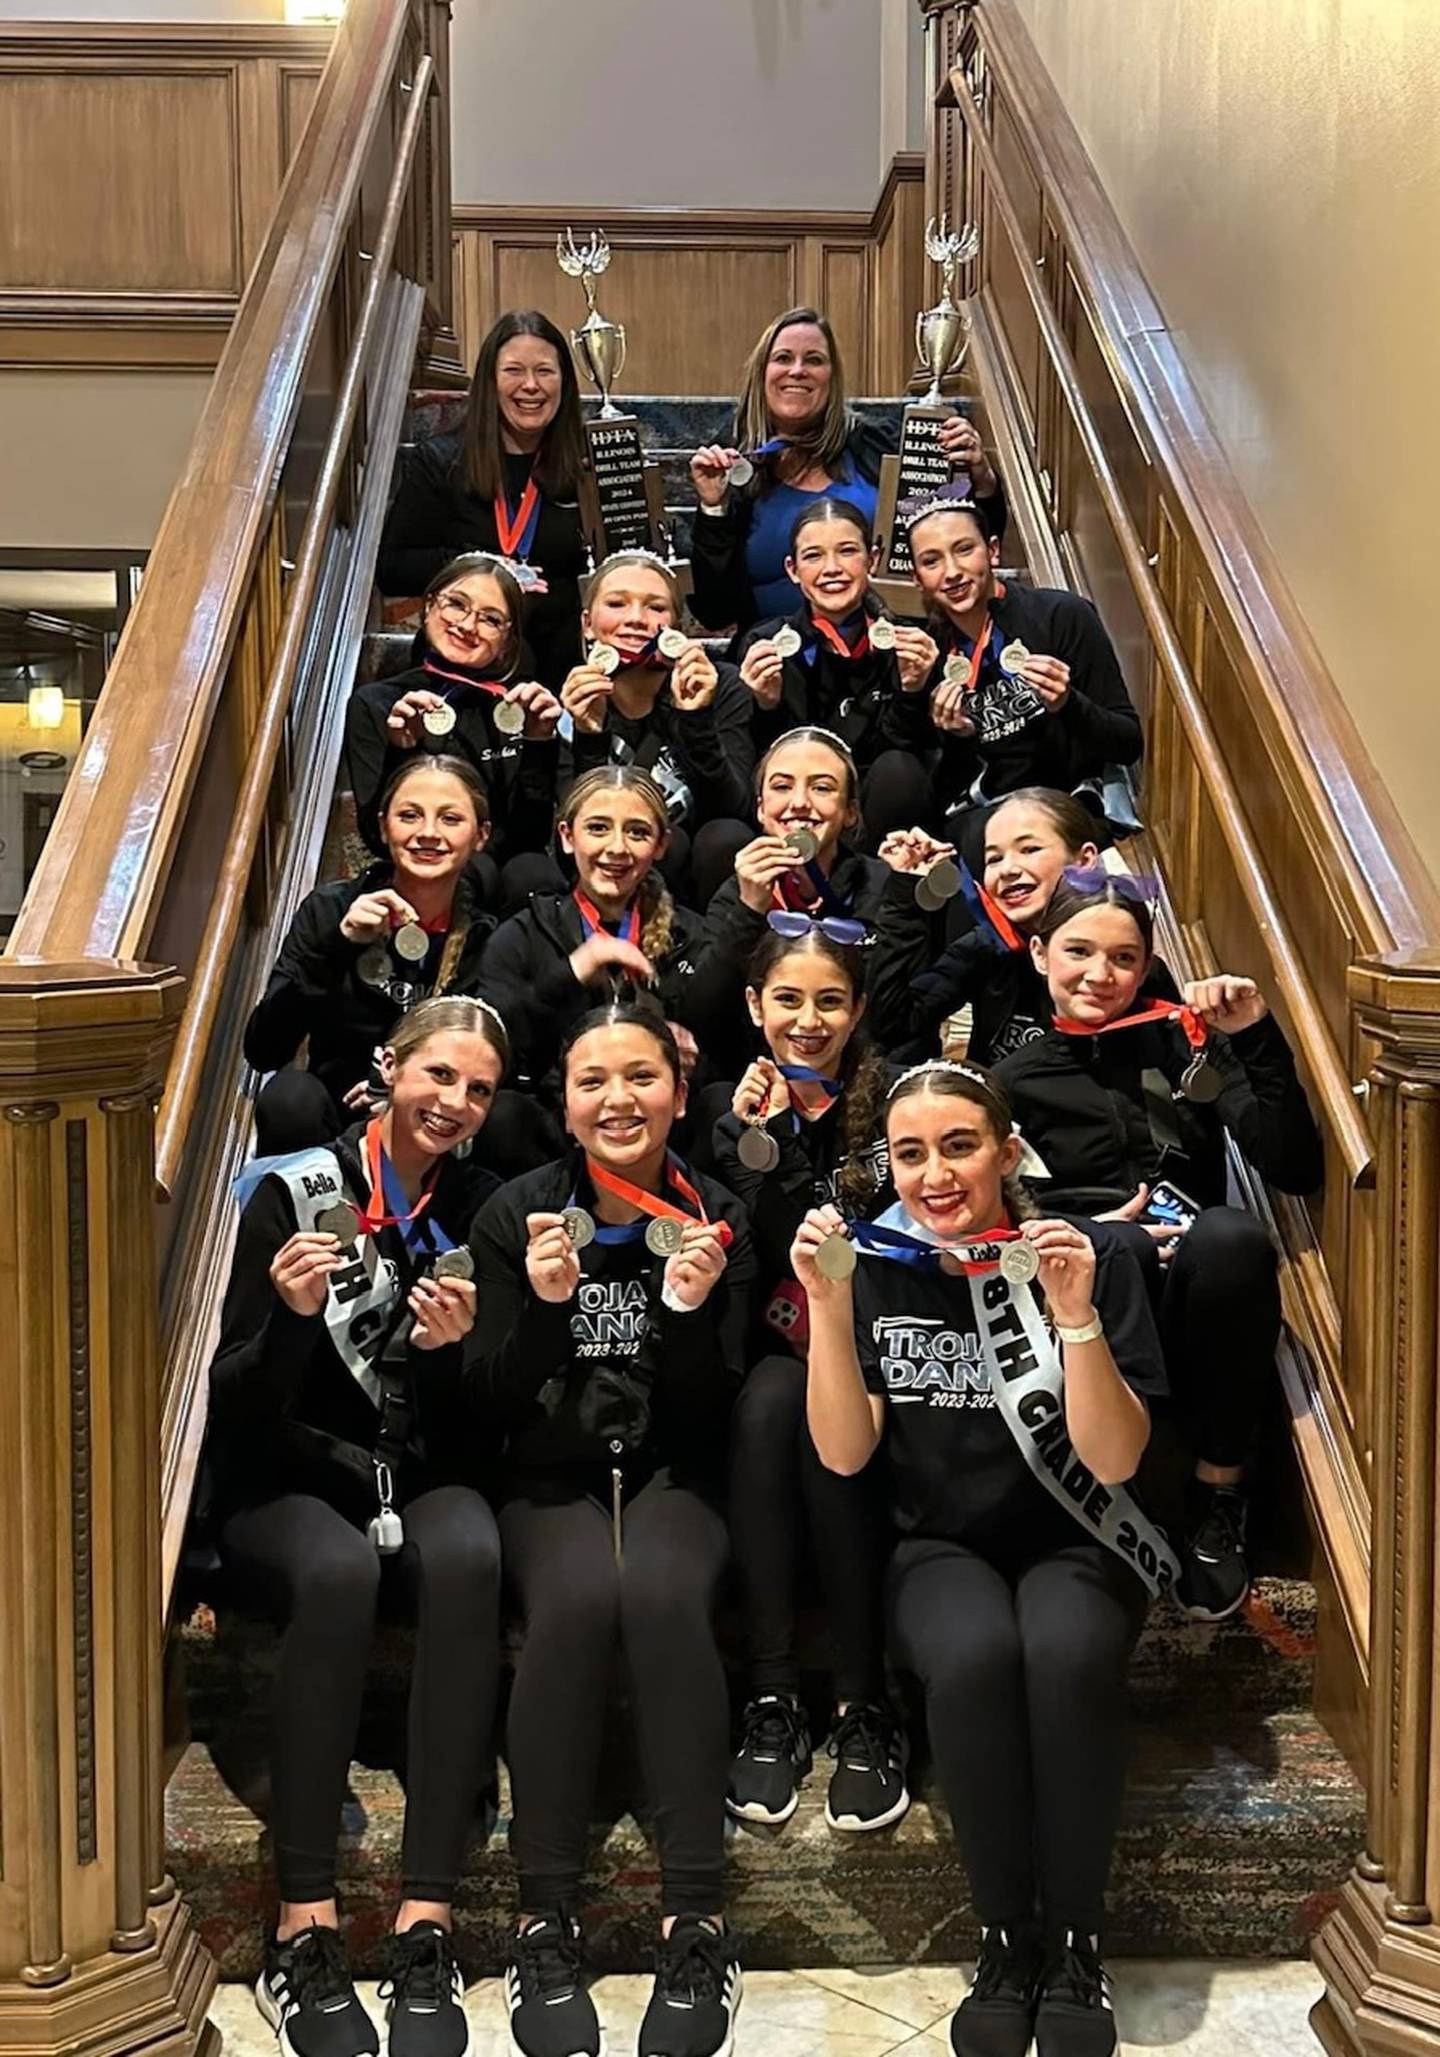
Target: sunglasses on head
[(835, 928)]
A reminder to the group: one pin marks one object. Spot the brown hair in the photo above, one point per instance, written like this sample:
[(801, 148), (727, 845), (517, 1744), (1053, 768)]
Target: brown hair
[(625, 1014), (657, 909), (821, 442), (864, 1073), (983, 1090), (1070, 818), (620, 560), (462, 907), (456, 1011), (480, 564), (830, 509), (560, 458), (808, 733), (1119, 891)]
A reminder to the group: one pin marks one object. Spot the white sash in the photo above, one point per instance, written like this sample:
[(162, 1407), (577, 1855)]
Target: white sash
[(365, 1287)]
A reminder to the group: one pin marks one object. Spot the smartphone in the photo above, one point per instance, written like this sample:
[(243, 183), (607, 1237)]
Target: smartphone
[(1168, 1207)]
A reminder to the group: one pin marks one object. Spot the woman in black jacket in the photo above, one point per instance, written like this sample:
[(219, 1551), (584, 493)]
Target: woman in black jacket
[(360, 951), (803, 1129), (1027, 689), (505, 483), (336, 1443), (461, 697), (1113, 1099), (616, 1290), (794, 428)]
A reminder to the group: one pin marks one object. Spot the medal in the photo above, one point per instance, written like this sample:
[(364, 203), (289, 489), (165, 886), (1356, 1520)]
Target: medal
[(939, 884), (438, 721), (804, 843), (671, 643), (603, 657), (663, 1235), (835, 1258), (1019, 1263), (454, 1264), (1013, 656), (741, 472), (882, 633), (786, 641), (957, 669), (578, 1226), (509, 717), (373, 964), (758, 1150), (1201, 1082), (411, 942), (339, 1221)]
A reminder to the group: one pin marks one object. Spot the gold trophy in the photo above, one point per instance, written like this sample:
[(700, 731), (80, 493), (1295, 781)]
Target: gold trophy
[(598, 343), (942, 342)]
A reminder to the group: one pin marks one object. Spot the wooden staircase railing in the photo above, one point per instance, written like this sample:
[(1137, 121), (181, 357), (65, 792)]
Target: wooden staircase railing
[(191, 825), (1279, 851)]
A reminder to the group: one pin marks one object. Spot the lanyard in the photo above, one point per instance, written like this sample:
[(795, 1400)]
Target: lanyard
[(988, 913), (978, 654), (828, 633), (385, 1193), (1196, 1033), (517, 532), (649, 1203), (466, 685), (883, 1239), (805, 1075), (823, 892), (592, 924)]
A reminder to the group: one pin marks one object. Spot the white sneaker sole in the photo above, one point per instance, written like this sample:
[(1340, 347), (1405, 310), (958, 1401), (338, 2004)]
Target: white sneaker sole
[(272, 2016), (751, 1810), (852, 1825), (1216, 1614)]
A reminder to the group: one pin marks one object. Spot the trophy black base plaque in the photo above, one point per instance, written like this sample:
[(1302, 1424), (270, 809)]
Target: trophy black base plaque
[(920, 471), (622, 504)]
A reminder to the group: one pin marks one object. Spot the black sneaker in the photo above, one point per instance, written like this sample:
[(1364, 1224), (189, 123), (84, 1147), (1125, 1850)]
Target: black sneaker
[(308, 1997), (551, 2013), (997, 2016), (867, 1786), (697, 1991), (424, 1994), (1073, 2018), (1214, 1577), (773, 1757)]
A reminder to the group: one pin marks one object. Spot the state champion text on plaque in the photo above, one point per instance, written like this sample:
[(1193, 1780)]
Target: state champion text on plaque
[(615, 502)]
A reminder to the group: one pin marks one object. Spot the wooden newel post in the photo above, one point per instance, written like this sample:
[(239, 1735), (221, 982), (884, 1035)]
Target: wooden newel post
[(1380, 1952), (97, 1952)]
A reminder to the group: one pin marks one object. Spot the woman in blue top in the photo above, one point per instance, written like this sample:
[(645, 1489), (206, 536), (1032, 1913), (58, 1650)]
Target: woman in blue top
[(793, 409)]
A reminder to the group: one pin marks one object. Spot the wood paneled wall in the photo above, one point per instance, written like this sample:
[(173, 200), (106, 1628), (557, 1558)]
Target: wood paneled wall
[(140, 165), (695, 289)]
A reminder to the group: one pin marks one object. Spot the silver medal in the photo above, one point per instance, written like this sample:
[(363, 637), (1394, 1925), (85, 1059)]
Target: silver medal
[(663, 1235), (1201, 1082), (926, 899), (758, 1150), (338, 1221), (957, 669), (882, 633), (804, 843), (741, 472), (438, 721), (942, 880), (786, 641), (410, 942), (1019, 1264), (454, 1264), (1012, 657), (603, 657), (578, 1226), (373, 965), (509, 717), (835, 1259), (671, 644)]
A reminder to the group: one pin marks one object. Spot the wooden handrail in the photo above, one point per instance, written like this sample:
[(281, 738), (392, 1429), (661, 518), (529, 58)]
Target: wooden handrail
[(222, 927), (1331, 1078)]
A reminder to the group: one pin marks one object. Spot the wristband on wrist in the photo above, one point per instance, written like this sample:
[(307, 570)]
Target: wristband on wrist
[(1093, 1330)]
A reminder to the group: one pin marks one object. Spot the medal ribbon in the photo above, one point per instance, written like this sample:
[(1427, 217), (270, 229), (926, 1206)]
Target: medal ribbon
[(517, 532), (824, 894), (828, 633), (806, 1075), (988, 912), (592, 924), (916, 1247), (1196, 1033), (385, 1192), (650, 1203), (467, 685)]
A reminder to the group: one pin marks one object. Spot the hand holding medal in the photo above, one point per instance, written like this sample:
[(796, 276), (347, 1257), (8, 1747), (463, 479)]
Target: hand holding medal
[(371, 916), (1049, 676), (694, 680), (761, 1093), (916, 656), (414, 715), (585, 696), (530, 710), (552, 1261), (822, 1254), (443, 1305), (762, 669), (695, 1267), (1066, 1269), (300, 1270), (759, 867), (1227, 1003), (951, 701)]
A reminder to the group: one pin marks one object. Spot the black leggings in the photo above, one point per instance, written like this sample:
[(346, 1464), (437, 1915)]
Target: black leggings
[(656, 1604), (1219, 1319), (322, 1577), (1023, 1659), (778, 1486)]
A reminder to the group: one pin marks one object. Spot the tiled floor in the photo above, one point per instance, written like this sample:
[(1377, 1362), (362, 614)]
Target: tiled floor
[(1209, 2009)]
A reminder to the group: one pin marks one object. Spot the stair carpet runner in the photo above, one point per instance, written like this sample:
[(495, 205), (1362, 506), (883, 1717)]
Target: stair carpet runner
[(1242, 1817)]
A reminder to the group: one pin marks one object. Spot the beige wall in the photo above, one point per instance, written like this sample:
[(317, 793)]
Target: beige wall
[(91, 458), (1278, 170), (681, 103)]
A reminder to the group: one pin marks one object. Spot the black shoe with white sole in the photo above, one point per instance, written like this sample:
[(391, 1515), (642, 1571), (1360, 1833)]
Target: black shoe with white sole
[(551, 2013), (772, 1758), (424, 1994), (307, 1995), (1214, 1576), (867, 1786), (997, 2016), (1074, 2017), (697, 1990)]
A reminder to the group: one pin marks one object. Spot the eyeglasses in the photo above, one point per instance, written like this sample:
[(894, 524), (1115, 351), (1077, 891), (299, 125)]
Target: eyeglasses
[(835, 928), (456, 610)]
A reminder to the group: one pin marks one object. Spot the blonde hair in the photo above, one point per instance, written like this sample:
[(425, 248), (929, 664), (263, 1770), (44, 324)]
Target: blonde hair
[(623, 560), (462, 906), (657, 909), (451, 1011), (824, 442)]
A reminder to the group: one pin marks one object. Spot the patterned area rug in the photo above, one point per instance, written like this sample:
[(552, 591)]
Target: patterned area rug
[(1241, 1823)]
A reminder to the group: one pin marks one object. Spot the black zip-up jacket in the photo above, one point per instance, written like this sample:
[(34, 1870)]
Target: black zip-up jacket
[(861, 699), (611, 1378), (1098, 1110), (316, 990), (434, 517), (286, 1415), (723, 596), (1027, 745), (520, 778), (708, 750)]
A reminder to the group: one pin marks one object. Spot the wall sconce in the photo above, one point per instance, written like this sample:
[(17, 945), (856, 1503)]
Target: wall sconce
[(45, 707)]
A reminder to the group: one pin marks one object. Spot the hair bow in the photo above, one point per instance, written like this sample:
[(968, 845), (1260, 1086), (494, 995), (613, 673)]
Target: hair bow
[(1130, 885)]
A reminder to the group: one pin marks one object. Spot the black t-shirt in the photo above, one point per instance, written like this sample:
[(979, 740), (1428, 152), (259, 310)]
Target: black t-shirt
[(955, 1469)]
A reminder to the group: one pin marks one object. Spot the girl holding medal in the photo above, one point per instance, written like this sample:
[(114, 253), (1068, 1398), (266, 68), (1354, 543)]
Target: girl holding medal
[(793, 441), (360, 951), (1027, 689), (804, 1128), (616, 1287), (1009, 1391), (460, 697), (336, 1416), (504, 483), (1118, 1096), (645, 694), (839, 661)]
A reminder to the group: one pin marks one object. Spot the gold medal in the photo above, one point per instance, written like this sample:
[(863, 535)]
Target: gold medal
[(671, 643), (438, 721), (957, 669), (410, 942), (603, 657), (509, 717), (835, 1259), (1013, 656), (882, 633), (804, 843)]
